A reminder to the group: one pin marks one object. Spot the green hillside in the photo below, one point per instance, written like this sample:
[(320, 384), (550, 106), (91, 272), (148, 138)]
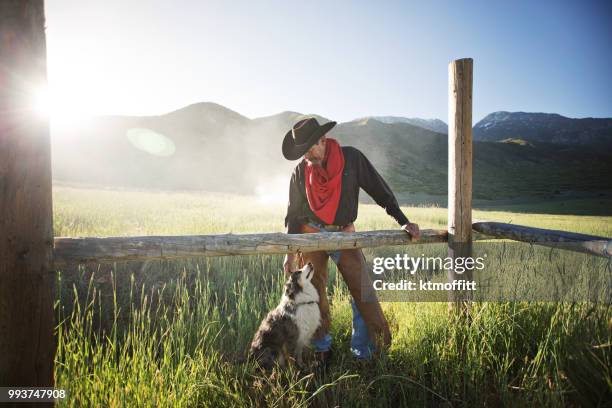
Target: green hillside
[(416, 160)]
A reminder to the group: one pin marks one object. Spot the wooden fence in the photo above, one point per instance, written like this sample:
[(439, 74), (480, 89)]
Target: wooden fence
[(119, 249)]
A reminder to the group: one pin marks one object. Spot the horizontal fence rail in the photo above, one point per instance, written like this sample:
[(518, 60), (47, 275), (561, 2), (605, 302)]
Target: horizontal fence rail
[(120, 249), (570, 241), (115, 249)]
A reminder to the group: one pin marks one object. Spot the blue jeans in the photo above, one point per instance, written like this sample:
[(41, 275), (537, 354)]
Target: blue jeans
[(361, 345)]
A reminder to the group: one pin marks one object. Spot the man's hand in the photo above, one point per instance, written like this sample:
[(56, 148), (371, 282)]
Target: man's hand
[(412, 230), (288, 263)]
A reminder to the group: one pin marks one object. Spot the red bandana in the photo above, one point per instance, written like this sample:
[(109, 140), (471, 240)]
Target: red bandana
[(324, 184)]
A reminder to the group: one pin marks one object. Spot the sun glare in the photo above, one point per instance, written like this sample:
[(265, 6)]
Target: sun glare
[(41, 102), (59, 108)]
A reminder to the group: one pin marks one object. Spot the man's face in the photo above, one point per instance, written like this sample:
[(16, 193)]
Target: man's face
[(316, 153)]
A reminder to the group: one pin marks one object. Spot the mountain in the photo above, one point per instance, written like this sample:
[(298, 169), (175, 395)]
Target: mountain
[(202, 146), (435, 125), (415, 160), (545, 127), (181, 149), (206, 146)]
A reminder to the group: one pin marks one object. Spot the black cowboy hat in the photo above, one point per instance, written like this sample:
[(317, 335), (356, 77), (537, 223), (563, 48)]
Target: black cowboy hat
[(302, 136)]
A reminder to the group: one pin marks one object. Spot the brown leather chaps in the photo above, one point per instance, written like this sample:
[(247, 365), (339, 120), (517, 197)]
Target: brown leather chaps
[(353, 268)]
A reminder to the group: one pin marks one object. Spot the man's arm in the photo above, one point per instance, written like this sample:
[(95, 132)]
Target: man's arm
[(294, 209), (373, 184), (294, 206)]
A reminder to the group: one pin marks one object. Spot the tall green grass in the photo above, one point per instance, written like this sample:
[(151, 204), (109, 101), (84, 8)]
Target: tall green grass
[(175, 333), (188, 351)]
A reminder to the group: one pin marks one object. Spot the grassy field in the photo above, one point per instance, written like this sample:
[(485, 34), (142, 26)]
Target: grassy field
[(175, 333)]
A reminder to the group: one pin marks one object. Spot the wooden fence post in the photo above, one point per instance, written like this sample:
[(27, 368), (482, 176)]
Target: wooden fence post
[(460, 173), (27, 346)]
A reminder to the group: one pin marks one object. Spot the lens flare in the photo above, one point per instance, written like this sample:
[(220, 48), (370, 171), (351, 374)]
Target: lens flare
[(151, 142)]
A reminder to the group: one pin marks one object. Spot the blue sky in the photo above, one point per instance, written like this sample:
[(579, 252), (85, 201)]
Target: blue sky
[(340, 59)]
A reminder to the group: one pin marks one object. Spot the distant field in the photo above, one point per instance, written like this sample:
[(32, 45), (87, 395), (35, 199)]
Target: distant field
[(174, 333), (97, 212), (600, 205)]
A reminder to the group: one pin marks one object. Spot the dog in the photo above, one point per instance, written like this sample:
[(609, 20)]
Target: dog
[(288, 328)]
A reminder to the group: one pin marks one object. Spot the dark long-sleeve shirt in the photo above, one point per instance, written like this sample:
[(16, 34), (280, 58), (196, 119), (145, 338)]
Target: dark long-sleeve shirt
[(358, 173)]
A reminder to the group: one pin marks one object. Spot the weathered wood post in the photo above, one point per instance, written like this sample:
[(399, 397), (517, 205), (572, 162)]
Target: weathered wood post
[(460, 172), (27, 347)]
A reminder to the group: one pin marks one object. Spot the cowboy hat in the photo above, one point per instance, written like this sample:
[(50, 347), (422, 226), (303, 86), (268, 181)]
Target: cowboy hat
[(302, 136)]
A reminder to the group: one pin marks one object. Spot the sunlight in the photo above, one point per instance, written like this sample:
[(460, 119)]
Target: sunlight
[(59, 107), (42, 105)]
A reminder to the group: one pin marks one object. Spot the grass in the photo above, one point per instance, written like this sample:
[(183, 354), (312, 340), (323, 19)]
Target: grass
[(174, 333)]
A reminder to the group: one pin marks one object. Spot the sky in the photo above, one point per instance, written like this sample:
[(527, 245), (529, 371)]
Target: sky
[(340, 59)]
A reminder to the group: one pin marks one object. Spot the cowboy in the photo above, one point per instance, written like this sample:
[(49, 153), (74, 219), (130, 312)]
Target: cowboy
[(323, 197)]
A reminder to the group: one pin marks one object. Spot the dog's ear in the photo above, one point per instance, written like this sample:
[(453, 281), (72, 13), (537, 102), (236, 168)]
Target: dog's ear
[(292, 285), (290, 290)]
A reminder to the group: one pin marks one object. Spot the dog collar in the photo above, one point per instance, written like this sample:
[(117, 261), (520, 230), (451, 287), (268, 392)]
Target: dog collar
[(306, 303)]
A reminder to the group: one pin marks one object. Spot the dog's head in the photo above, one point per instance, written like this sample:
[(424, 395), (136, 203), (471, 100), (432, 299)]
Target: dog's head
[(298, 279)]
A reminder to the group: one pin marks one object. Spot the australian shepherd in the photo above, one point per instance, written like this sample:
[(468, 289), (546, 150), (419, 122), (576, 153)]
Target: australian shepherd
[(286, 330)]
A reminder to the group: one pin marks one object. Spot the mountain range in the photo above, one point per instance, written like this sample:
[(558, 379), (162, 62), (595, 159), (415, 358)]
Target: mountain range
[(206, 146), (435, 125), (545, 127), (537, 127)]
